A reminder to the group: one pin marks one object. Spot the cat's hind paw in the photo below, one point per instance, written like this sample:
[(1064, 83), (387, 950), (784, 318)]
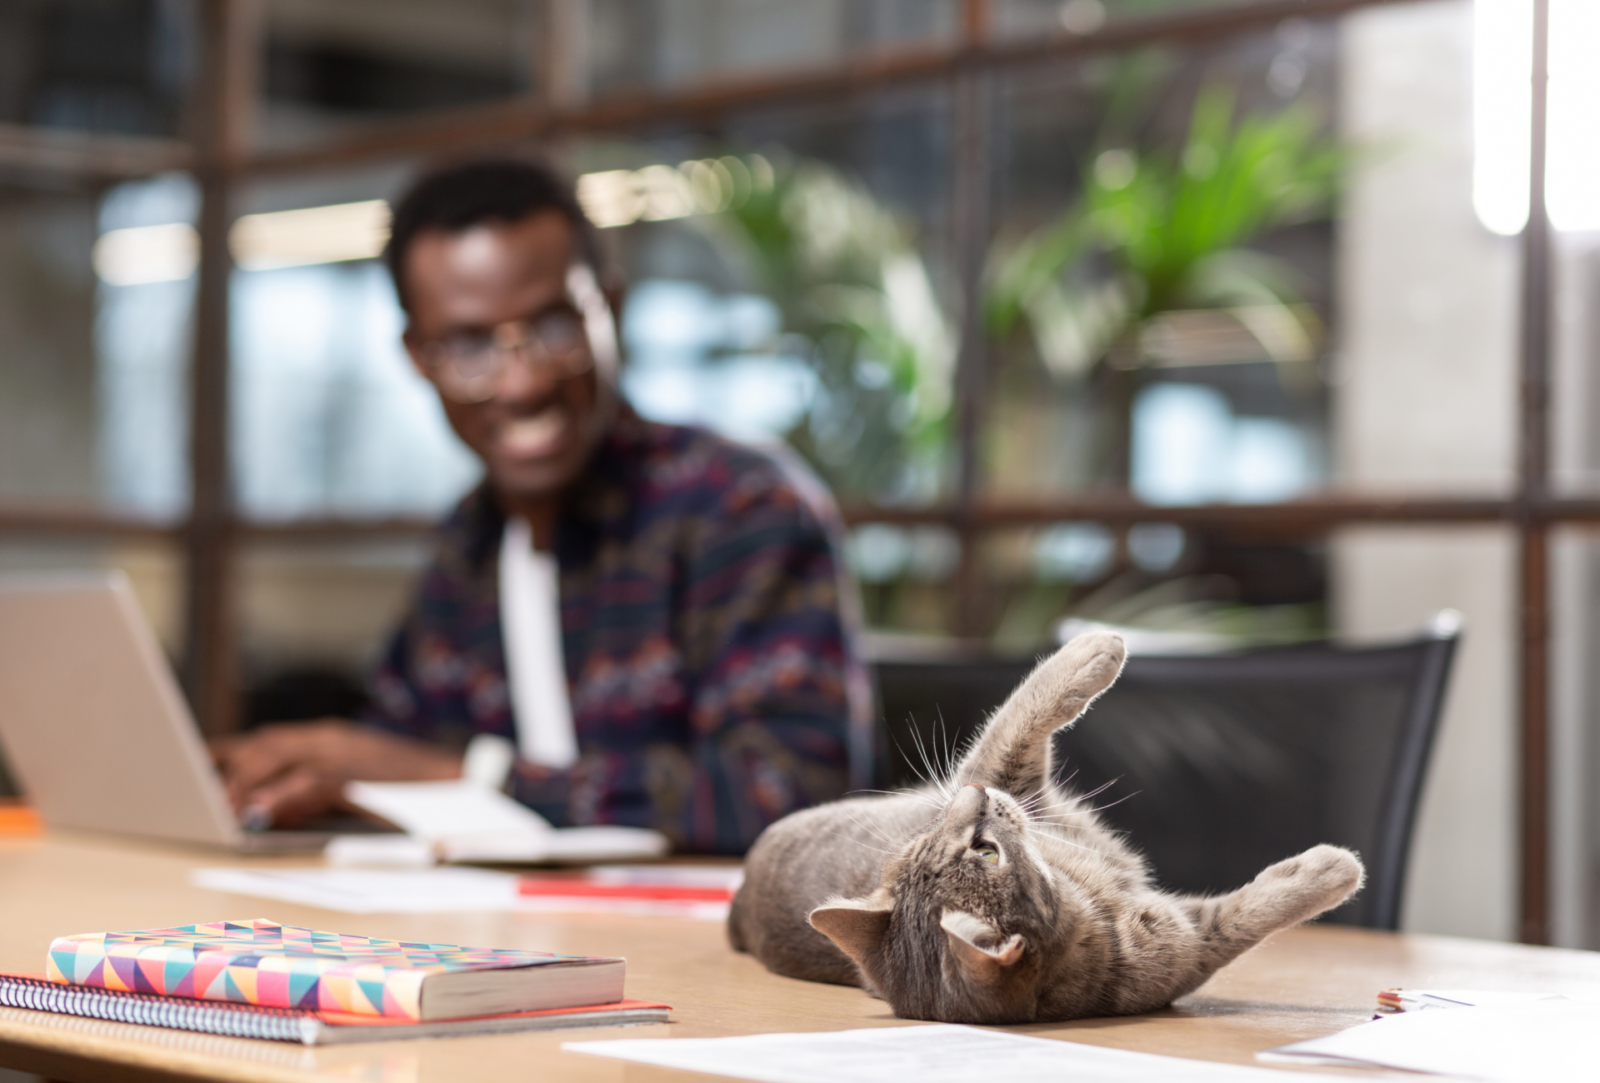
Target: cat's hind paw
[(1086, 666)]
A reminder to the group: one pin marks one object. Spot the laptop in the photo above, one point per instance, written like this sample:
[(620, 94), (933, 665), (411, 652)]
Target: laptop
[(94, 728)]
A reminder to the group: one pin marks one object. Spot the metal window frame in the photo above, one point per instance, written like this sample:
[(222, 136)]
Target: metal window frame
[(218, 152)]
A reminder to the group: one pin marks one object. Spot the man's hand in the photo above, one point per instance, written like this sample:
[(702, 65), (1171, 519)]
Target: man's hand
[(287, 773)]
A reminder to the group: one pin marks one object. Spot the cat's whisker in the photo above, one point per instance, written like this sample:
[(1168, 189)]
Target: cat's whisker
[(1068, 798), (898, 747), (939, 778), (1034, 805), (924, 774), (1106, 934), (1030, 801), (923, 798), (1062, 839), (1071, 808), (1072, 802), (1100, 789), (1118, 801), (952, 756), (865, 846), (868, 827), (928, 773), (1066, 806), (957, 754), (874, 830)]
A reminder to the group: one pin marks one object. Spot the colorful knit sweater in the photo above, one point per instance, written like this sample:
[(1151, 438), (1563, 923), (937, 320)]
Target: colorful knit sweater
[(710, 671)]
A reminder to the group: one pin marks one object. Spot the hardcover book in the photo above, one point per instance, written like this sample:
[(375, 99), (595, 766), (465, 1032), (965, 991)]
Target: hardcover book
[(263, 963)]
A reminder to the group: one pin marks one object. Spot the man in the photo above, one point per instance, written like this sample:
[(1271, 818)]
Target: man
[(651, 613)]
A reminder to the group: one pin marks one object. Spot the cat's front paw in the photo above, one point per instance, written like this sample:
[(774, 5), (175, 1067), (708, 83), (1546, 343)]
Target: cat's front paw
[(1317, 880)]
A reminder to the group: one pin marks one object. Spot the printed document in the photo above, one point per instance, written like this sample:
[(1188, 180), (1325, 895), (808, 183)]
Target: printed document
[(933, 1053), (371, 891), (1507, 1043)]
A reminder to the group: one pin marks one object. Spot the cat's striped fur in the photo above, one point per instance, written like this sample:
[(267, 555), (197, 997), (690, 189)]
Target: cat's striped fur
[(999, 897)]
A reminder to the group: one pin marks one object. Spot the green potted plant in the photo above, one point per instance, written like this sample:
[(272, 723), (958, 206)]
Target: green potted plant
[(1153, 234)]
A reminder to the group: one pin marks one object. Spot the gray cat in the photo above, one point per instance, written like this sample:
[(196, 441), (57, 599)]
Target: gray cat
[(997, 897)]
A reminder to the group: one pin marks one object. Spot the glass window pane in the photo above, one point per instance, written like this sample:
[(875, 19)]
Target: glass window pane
[(1191, 588), (1025, 18), (144, 259), (94, 312), (47, 378), (330, 418), (95, 295), (1137, 340), (95, 65), (789, 278), (328, 65), (906, 576), (665, 43)]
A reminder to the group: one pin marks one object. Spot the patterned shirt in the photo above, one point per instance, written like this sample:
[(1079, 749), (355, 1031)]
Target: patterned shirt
[(710, 670)]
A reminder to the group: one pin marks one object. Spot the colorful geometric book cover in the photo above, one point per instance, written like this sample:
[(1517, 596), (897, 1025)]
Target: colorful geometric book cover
[(280, 966)]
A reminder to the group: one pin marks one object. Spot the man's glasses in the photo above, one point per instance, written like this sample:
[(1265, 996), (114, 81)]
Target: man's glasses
[(467, 365)]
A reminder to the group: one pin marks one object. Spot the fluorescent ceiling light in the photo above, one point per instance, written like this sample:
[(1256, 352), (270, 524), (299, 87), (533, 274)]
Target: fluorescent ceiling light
[(656, 193), (144, 254), (352, 231), (259, 242), (1502, 102), (344, 231)]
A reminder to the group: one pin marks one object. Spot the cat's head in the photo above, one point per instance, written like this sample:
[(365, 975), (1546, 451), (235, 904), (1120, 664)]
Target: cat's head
[(963, 918)]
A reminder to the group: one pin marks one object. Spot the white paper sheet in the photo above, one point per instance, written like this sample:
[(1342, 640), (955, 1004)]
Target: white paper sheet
[(441, 810), (723, 876), (639, 908), (371, 891), (459, 890), (924, 1054), (1428, 1000), (1545, 1040), (467, 822), (558, 846)]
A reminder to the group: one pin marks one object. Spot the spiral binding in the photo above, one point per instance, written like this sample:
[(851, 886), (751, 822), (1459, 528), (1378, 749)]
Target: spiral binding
[(233, 1020)]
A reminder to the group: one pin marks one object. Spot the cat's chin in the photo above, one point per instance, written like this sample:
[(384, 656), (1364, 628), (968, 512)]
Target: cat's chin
[(958, 904)]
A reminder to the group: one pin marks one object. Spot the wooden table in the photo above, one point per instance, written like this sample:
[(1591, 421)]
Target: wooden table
[(1303, 984)]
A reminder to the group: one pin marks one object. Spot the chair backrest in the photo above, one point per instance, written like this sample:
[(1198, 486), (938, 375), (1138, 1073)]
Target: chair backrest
[(1219, 765)]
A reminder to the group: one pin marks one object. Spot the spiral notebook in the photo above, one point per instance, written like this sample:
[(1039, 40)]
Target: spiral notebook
[(36, 993)]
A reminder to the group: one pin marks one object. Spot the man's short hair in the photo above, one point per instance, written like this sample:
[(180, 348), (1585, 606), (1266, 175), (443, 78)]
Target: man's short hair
[(457, 197)]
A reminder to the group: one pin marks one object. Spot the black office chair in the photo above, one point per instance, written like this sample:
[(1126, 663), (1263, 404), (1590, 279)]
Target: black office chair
[(1219, 765)]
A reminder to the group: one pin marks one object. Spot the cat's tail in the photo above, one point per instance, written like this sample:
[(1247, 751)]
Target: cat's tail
[(1283, 895), (1013, 754)]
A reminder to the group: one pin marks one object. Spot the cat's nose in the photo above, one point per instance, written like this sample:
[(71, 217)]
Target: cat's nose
[(968, 807)]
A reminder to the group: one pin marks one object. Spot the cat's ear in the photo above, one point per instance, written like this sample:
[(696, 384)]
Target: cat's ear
[(977, 947), (856, 926)]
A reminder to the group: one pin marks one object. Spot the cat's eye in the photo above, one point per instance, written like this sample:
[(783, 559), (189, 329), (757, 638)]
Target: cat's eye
[(990, 855)]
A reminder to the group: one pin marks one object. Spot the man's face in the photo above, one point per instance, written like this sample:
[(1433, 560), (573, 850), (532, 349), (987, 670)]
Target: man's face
[(538, 429)]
